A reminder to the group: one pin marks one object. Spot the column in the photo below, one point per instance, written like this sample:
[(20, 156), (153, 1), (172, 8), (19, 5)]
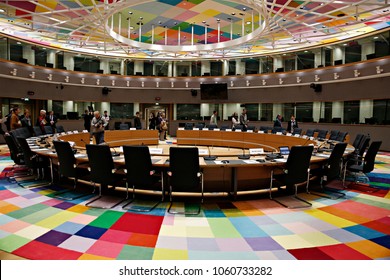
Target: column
[(278, 63), (318, 111), (240, 67), (277, 109), (225, 67), (68, 107), (29, 54), (338, 110), (51, 56), (104, 65), (205, 67), (68, 61), (138, 66), (366, 110), (367, 48)]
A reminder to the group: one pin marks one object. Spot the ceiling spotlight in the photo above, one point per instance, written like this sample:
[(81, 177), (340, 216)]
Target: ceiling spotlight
[(218, 20), (244, 9), (248, 22), (130, 13), (233, 14), (2, 11)]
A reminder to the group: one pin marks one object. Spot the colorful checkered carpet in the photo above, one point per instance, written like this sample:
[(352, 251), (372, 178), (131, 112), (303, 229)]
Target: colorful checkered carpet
[(35, 225)]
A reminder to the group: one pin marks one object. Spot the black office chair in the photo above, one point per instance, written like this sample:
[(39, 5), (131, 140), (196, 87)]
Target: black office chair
[(68, 167), (124, 126), (295, 172), (367, 163), (238, 127), (264, 129), (34, 162), (251, 127), (103, 172), (37, 131), (357, 156), (297, 131), (140, 174), (60, 129), (341, 136), (331, 170), (188, 126), (277, 129), (224, 127), (48, 129), (309, 132), (322, 134), (199, 126), (184, 175), (117, 125), (19, 169), (358, 139), (212, 126), (333, 134)]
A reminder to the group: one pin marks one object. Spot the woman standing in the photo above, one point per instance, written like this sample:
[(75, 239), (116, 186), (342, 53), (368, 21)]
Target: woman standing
[(235, 120), (163, 127), (152, 121)]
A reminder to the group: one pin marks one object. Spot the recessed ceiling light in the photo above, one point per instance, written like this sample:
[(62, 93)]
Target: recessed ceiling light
[(376, 37), (248, 22), (2, 10)]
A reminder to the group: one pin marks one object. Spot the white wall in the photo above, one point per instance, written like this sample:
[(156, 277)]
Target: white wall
[(338, 110), (29, 54), (366, 110), (205, 67)]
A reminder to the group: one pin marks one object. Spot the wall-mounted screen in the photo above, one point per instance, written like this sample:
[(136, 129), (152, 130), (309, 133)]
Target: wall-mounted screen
[(214, 91)]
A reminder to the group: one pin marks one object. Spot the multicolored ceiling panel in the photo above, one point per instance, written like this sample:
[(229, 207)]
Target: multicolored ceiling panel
[(187, 29)]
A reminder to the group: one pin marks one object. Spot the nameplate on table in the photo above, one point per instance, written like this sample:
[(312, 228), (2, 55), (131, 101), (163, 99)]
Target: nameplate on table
[(249, 130), (85, 130), (203, 152), (195, 128), (69, 132), (205, 128), (238, 130), (156, 151), (180, 128), (250, 161), (297, 135), (256, 151), (288, 134), (305, 137), (75, 131), (279, 133), (132, 128), (228, 129), (260, 131), (216, 129)]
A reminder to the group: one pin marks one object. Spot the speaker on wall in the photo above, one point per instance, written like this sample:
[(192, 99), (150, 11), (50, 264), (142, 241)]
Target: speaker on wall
[(316, 87), (194, 92), (105, 90)]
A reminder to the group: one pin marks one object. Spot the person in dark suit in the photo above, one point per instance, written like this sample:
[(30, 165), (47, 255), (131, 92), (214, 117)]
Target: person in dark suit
[(51, 120), (87, 116), (278, 121), (137, 121), (26, 121), (244, 120), (292, 123)]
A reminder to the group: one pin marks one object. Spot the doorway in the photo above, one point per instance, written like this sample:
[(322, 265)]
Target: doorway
[(154, 109)]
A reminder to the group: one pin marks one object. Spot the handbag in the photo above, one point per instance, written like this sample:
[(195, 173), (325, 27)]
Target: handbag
[(164, 126)]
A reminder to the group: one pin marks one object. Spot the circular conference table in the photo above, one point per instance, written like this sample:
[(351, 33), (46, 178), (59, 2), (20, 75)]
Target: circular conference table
[(229, 173)]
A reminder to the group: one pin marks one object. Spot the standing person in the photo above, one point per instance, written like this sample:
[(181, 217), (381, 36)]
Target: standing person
[(244, 120), (235, 120), (107, 117), (152, 121), (292, 123), (51, 119), (26, 120), (137, 121), (98, 124), (278, 121), (214, 118), (87, 116), (41, 121), (15, 121), (163, 127)]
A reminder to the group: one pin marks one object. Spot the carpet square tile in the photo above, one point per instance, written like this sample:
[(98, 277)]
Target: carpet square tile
[(364, 232), (138, 223), (177, 243), (6, 208), (82, 219), (94, 257), (32, 231), (383, 241), (202, 244), (13, 242), (370, 249), (223, 228), (170, 254), (53, 237), (41, 251), (69, 227), (378, 226), (107, 219), (292, 241), (116, 236), (6, 194), (275, 255), (56, 219), (139, 239), (246, 227), (343, 235), (318, 238), (64, 205), (91, 232), (273, 230), (263, 244), (13, 225), (206, 255), (233, 245), (135, 253), (105, 249), (342, 252), (309, 254), (298, 227), (77, 243), (203, 231)]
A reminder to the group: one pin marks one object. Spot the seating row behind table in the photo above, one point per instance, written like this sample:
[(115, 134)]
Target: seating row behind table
[(226, 175)]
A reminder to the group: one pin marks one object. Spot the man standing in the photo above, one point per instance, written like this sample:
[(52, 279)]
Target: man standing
[(137, 121), (278, 121), (214, 118), (15, 122), (292, 123), (52, 120), (107, 117), (244, 120), (98, 124)]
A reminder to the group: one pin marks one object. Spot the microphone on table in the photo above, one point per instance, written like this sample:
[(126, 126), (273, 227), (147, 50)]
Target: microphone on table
[(209, 157), (114, 153), (273, 156)]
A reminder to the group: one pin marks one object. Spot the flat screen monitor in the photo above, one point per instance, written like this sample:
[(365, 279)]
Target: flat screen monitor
[(338, 62), (138, 73), (370, 56), (49, 65), (279, 69), (114, 72), (23, 60), (284, 150), (214, 91), (100, 71)]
